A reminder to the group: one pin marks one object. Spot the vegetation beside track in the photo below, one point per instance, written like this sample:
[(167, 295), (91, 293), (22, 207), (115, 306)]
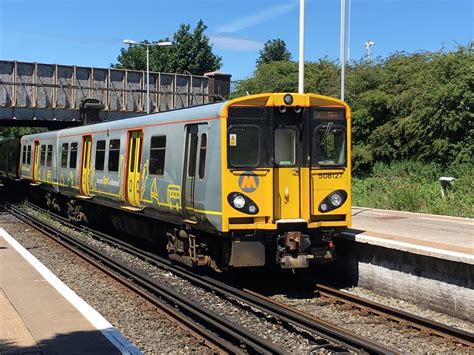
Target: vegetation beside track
[(412, 120), (414, 187)]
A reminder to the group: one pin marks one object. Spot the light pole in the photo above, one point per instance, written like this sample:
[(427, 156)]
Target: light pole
[(301, 52), (342, 46), (131, 42)]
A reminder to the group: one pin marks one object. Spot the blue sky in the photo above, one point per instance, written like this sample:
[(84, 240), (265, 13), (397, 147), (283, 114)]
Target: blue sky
[(90, 32)]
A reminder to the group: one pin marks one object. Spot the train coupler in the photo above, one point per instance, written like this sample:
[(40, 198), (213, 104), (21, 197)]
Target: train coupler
[(295, 251)]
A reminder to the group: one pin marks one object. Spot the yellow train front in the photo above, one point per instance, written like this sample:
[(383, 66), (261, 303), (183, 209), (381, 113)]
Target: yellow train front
[(286, 183)]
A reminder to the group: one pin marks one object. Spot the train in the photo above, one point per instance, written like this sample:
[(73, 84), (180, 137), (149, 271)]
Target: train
[(257, 181)]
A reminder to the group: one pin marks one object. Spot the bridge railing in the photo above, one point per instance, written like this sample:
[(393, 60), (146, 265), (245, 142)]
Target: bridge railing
[(31, 91)]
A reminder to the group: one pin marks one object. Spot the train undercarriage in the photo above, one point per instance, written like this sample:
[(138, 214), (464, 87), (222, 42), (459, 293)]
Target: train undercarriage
[(292, 246)]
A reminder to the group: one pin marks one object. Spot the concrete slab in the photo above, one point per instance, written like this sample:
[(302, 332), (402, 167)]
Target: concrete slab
[(41, 314), (445, 237)]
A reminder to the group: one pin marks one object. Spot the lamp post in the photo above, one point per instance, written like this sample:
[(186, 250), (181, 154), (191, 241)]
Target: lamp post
[(301, 51), (342, 47), (131, 42)]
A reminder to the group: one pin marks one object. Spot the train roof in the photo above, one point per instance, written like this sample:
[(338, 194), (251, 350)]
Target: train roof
[(184, 115), (179, 115)]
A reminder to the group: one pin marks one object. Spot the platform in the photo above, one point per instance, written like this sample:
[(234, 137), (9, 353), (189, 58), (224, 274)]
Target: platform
[(444, 237), (40, 315)]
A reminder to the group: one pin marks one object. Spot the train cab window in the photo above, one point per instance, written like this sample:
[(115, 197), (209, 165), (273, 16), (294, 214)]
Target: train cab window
[(329, 145), (43, 155), (285, 147), (244, 146), (114, 154), (73, 156), (157, 155), (23, 160), (64, 154), (202, 156), (49, 155), (99, 155), (28, 155)]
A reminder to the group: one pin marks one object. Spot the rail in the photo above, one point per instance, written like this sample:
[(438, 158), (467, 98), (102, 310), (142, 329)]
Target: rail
[(210, 322), (333, 334)]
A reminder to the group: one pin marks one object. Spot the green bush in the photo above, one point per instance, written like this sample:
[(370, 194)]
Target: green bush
[(414, 186)]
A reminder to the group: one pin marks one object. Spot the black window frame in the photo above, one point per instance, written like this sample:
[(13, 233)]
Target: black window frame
[(231, 165), (315, 156), (202, 157), (73, 152), (192, 155), (113, 156), (99, 163), (23, 155), (49, 156), (64, 159), (295, 146), (158, 154), (316, 122), (43, 155), (28, 155)]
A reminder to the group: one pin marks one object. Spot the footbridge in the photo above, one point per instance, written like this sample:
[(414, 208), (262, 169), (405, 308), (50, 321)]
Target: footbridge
[(54, 95)]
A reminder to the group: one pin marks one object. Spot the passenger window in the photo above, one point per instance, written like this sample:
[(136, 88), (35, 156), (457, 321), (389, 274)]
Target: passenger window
[(43, 155), (244, 146), (49, 156), (24, 154), (28, 156), (192, 155), (64, 154), (73, 156), (100, 155), (114, 154), (285, 144), (157, 155), (202, 156)]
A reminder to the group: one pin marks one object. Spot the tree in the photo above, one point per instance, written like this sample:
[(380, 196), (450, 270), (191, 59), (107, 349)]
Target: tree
[(274, 50), (190, 52), (415, 107)]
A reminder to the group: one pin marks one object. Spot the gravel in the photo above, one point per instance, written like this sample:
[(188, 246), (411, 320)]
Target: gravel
[(413, 309), (147, 328), (392, 334), (140, 328), (153, 332)]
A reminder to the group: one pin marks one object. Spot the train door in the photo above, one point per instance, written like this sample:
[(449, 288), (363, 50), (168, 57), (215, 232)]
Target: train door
[(133, 169), (286, 173), (193, 169), (86, 165), (35, 168)]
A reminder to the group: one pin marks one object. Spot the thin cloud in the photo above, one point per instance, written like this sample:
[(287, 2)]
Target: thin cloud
[(235, 43), (246, 22)]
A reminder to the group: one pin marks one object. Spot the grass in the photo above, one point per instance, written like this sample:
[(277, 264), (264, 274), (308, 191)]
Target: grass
[(414, 187)]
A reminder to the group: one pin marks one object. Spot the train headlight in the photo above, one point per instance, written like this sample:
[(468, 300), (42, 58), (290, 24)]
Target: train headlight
[(332, 201), (288, 99), (239, 202), (242, 203), (336, 199)]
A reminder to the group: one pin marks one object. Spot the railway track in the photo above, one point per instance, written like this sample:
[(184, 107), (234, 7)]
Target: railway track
[(334, 337), (423, 324), (217, 333)]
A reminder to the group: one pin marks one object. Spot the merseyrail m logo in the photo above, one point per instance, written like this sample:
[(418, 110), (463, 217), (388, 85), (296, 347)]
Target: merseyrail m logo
[(248, 182)]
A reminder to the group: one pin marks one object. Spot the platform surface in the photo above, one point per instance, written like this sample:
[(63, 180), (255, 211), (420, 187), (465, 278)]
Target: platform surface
[(39, 317), (450, 238)]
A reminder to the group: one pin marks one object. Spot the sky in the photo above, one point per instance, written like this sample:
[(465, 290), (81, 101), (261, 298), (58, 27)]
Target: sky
[(90, 32)]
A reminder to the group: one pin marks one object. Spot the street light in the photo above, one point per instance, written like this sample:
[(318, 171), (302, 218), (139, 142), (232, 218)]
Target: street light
[(131, 42)]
